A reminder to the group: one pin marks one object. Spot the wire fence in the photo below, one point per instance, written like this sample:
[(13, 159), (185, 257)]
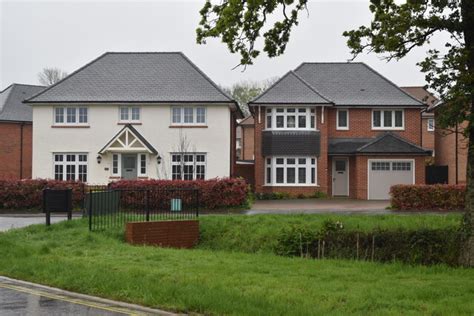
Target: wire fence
[(107, 208)]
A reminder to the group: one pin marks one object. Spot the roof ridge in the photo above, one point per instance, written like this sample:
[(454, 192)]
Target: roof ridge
[(65, 78), (268, 89), (27, 84), (9, 94), (8, 87), (311, 87), (391, 82), (386, 134), (148, 52)]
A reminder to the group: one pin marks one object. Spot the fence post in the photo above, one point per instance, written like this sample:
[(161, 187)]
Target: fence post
[(147, 206), (46, 210), (197, 202), (90, 210)]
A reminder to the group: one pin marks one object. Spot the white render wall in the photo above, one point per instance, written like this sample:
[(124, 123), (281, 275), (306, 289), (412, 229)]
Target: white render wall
[(155, 127)]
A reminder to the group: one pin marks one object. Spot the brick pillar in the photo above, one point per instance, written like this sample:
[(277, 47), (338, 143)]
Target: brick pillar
[(323, 179), (259, 159)]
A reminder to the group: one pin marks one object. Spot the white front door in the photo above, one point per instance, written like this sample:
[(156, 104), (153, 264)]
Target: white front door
[(340, 177)]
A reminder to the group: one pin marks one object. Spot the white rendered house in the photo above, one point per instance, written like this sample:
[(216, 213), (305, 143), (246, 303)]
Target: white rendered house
[(133, 116)]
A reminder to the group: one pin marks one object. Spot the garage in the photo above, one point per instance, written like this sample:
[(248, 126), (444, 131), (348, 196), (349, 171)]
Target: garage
[(383, 173)]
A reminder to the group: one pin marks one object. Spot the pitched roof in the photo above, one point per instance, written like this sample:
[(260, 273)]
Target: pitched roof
[(354, 84), (135, 77), (249, 120), (137, 134), (385, 143), (421, 94), (291, 89), (12, 107)]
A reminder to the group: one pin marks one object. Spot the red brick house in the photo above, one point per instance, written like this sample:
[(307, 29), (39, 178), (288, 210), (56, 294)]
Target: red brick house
[(339, 128), (15, 131)]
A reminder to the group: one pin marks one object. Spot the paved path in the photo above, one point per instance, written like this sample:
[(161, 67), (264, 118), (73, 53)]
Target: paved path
[(319, 206), (24, 298), (16, 221)]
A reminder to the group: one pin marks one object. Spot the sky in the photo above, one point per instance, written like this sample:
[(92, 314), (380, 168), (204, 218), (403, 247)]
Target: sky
[(69, 34)]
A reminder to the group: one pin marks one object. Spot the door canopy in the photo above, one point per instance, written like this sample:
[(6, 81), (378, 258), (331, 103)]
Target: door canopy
[(128, 140)]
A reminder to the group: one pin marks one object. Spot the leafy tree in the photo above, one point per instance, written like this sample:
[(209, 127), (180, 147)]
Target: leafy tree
[(395, 30), (245, 91), (49, 76)]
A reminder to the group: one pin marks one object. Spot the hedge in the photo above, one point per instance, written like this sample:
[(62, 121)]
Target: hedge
[(423, 246), (214, 193), (28, 194), (439, 197)]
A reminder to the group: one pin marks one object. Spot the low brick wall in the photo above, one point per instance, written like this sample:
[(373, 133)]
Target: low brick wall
[(174, 234)]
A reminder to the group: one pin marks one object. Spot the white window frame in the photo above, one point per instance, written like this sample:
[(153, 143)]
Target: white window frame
[(76, 116), (119, 165), (342, 128), (271, 112), (308, 167), (194, 115), (139, 165), (382, 115), (66, 163), (430, 127), (129, 114), (194, 163)]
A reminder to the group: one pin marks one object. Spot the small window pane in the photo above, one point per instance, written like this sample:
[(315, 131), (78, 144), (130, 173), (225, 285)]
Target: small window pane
[(280, 161), (269, 121), (342, 118), (201, 115), (71, 115), (380, 166), (387, 118), (302, 110), (340, 165), (70, 172), (200, 172), (398, 118), (135, 114), (302, 121), (269, 175), (302, 161), (279, 175), (200, 158), (176, 172), (376, 118), (401, 166), (313, 175), (290, 121), (82, 115), (82, 173), (188, 115), (291, 110), (124, 114), (280, 110), (290, 161), (301, 175), (290, 175), (280, 121), (188, 172), (431, 125), (59, 115), (176, 115), (58, 172), (143, 164), (115, 164)]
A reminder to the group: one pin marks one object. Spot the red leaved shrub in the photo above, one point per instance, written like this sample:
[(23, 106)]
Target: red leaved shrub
[(439, 197), (214, 193), (28, 194)]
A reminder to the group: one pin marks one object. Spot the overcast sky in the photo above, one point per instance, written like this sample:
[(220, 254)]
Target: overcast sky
[(68, 34)]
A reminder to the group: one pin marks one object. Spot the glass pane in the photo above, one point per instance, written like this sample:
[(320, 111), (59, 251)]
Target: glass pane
[(176, 158), (302, 121), (201, 115), (279, 161), (279, 121), (124, 114), (176, 172), (290, 161), (188, 115), (302, 110), (200, 172), (302, 161), (188, 172), (313, 175), (290, 110), (71, 115), (82, 115), (290, 175), (342, 118), (376, 118), (58, 172), (176, 115), (290, 121), (200, 158), (398, 118), (59, 115), (83, 173), (312, 120), (279, 175), (269, 175), (280, 110), (135, 114), (269, 121), (301, 175), (70, 157), (70, 172), (58, 157), (188, 158), (387, 118), (340, 165)]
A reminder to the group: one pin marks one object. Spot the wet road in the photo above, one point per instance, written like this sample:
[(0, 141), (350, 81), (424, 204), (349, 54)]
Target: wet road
[(10, 222), (29, 300)]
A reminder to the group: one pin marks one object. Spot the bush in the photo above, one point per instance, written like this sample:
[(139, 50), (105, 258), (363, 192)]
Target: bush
[(215, 193), (440, 197), (28, 194), (288, 196), (422, 246)]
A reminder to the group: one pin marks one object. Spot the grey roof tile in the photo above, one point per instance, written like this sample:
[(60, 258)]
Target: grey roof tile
[(291, 89), (12, 107), (354, 84), (135, 77)]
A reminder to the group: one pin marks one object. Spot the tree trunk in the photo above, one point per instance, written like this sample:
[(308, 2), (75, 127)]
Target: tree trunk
[(467, 254)]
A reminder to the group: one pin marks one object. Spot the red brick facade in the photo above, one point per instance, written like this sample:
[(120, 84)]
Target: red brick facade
[(174, 234), (15, 153), (428, 137), (360, 125)]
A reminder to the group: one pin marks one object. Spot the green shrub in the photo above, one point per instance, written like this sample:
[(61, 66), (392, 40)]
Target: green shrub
[(441, 197)]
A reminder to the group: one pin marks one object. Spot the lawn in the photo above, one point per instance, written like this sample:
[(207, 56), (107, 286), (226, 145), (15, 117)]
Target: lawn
[(66, 255)]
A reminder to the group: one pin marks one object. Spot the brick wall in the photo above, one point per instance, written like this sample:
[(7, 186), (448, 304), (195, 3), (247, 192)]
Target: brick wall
[(246, 171), (248, 142), (10, 151), (428, 137), (360, 125), (174, 234)]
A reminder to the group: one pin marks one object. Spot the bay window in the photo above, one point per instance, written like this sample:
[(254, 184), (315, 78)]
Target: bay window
[(70, 167), (70, 115), (279, 118), (388, 119), (290, 171)]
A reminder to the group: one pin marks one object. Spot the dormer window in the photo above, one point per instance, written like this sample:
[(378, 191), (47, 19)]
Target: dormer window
[(290, 118)]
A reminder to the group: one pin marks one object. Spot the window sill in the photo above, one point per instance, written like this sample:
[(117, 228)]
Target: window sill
[(70, 126), (290, 130), (342, 128), (115, 177), (188, 126), (142, 178), (388, 128), (131, 123)]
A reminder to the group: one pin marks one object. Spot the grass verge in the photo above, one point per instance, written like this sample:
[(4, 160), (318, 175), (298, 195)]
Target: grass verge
[(66, 255)]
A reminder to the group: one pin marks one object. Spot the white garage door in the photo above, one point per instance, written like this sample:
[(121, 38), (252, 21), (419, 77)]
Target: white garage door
[(383, 173)]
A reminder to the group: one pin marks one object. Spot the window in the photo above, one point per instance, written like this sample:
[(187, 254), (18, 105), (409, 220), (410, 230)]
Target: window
[(401, 166), (70, 115), (380, 166), (188, 166), (342, 119), (70, 167), (290, 171), (188, 115), (290, 118), (430, 125), (129, 114), (387, 119), (115, 164), (142, 169)]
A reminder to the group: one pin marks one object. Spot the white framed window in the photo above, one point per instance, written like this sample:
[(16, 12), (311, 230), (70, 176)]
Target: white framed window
[(188, 166), (70, 115), (70, 166), (188, 115), (342, 119), (142, 163), (290, 118), (290, 171), (430, 124), (129, 114), (388, 119), (116, 164)]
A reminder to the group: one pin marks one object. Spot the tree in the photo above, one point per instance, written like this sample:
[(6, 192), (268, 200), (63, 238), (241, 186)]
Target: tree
[(395, 30), (49, 76), (245, 91)]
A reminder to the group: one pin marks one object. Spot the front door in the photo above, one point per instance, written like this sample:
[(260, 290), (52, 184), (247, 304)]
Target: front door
[(129, 166), (340, 179)]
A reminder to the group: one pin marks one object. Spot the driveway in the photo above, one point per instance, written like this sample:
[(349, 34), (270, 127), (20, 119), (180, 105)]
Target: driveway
[(319, 206), (16, 221)]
